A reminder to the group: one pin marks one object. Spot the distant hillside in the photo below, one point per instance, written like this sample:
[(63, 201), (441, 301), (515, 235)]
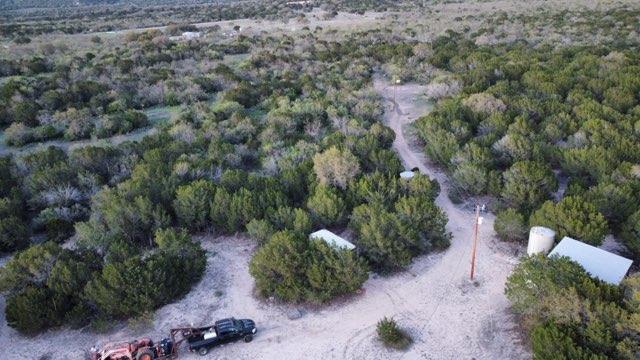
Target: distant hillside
[(30, 4)]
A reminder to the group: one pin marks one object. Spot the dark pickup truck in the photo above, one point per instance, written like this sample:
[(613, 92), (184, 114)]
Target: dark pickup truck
[(222, 332)]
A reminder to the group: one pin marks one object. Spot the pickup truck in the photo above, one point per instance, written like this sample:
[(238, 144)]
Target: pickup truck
[(224, 331)]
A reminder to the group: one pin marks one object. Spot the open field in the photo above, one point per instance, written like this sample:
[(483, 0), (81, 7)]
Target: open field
[(424, 25)]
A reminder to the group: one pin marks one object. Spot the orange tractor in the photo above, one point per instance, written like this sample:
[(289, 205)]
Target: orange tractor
[(142, 349)]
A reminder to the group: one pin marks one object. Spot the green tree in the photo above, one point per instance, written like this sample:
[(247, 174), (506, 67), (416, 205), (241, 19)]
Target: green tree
[(630, 233), (333, 272), (14, 234), (573, 217), (616, 203), (336, 167), (468, 179), (421, 224), (71, 272), (440, 145), (326, 206), (286, 218), (537, 278), (551, 342), (379, 237), (384, 160), (178, 264), (8, 179), (527, 184), (133, 219), (29, 310), (219, 209), (420, 185), (382, 188), (620, 98), (31, 266), (192, 204), (141, 284), (293, 268), (260, 230), (510, 225), (553, 295), (242, 209), (279, 267), (591, 163), (44, 284), (112, 291)]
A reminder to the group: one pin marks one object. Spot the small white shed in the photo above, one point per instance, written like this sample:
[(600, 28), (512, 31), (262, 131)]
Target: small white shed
[(407, 174), (332, 239), (599, 263), (188, 35)]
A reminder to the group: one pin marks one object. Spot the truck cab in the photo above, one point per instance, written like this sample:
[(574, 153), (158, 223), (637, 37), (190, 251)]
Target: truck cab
[(222, 332)]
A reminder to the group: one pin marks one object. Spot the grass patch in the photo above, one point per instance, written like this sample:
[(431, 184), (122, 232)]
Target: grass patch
[(161, 114)]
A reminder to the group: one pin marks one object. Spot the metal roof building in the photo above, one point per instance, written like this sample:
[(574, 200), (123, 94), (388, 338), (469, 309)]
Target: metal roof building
[(332, 239), (599, 263)]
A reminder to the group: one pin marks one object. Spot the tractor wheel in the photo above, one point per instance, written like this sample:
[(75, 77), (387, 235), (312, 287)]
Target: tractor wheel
[(203, 350), (145, 355), (248, 338)]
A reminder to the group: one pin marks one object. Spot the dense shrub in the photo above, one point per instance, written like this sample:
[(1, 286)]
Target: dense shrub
[(333, 272), (527, 185), (14, 231), (336, 167), (260, 230), (516, 116), (163, 276), (391, 335), (510, 225), (14, 234), (551, 341), (630, 234), (553, 295), (293, 268), (286, 218), (389, 240), (192, 204), (573, 217), (29, 310), (44, 285), (615, 203), (326, 206)]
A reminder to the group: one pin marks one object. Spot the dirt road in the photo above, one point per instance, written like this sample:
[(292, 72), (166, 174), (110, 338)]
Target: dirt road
[(448, 316)]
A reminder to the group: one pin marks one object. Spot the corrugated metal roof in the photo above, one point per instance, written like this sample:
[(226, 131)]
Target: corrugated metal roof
[(599, 263), (332, 239)]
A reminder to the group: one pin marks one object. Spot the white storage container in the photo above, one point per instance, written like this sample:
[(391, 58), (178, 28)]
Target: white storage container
[(541, 240)]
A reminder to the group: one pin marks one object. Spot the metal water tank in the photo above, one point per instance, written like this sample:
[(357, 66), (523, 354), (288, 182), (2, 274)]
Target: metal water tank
[(540, 240)]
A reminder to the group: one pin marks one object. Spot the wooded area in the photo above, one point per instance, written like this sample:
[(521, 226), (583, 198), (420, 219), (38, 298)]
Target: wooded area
[(526, 117), (277, 133), (277, 145)]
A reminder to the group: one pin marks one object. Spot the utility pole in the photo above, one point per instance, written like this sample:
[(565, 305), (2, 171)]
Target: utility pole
[(395, 89), (475, 240)]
